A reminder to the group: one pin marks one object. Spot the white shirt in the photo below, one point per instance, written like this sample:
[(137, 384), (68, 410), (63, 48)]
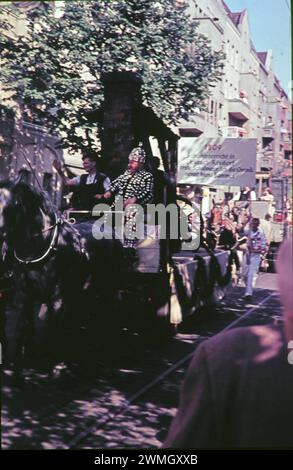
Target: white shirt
[(91, 177), (237, 196), (256, 241), (266, 226)]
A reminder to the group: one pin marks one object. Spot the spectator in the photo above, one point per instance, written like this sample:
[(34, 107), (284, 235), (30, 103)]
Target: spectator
[(269, 122), (256, 246), (268, 197), (266, 226), (246, 194), (238, 389), (240, 204), (287, 211)]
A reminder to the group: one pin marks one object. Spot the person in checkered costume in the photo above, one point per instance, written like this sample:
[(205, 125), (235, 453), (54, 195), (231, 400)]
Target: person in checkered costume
[(134, 186)]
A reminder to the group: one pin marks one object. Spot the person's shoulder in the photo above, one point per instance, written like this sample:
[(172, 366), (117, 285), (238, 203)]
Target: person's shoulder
[(102, 175), (242, 343), (160, 174), (146, 174), (122, 176)]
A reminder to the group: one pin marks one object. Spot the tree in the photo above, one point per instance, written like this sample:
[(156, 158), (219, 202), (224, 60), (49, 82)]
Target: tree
[(55, 69)]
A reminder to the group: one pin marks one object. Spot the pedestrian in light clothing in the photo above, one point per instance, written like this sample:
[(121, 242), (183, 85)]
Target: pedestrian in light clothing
[(256, 247)]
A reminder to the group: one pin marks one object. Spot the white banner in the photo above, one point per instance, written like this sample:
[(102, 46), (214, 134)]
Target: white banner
[(219, 161)]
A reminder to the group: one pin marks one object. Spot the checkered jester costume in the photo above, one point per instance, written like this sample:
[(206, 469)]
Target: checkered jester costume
[(139, 185)]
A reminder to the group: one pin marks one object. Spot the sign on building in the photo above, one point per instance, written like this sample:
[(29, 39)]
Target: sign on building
[(219, 161)]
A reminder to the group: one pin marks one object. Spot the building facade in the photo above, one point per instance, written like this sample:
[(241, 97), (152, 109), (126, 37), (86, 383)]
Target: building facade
[(27, 149), (249, 101)]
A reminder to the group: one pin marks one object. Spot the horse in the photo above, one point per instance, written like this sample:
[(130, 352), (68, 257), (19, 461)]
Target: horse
[(59, 271)]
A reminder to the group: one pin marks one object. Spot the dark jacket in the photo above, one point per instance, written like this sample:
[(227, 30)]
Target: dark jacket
[(83, 198), (237, 393)]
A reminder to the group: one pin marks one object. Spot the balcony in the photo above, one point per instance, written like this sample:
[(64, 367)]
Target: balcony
[(238, 109), (288, 146), (267, 161), (189, 132), (268, 132), (264, 161), (233, 132)]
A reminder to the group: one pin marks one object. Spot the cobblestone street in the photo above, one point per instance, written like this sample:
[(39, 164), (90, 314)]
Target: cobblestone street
[(102, 410), (145, 229)]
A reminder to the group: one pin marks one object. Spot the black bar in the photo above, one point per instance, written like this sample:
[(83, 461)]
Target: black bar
[(125, 458)]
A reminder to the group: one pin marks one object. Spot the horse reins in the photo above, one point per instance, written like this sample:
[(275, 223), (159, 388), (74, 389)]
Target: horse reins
[(58, 222)]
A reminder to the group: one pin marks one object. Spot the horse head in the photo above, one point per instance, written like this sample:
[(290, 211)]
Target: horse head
[(5, 199), (22, 211)]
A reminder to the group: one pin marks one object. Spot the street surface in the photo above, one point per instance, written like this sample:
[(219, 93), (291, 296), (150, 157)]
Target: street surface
[(121, 399)]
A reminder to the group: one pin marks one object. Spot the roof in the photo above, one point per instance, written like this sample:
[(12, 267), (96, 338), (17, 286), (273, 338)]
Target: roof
[(262, 57), (226, 7), (235, 17), (277, 83)]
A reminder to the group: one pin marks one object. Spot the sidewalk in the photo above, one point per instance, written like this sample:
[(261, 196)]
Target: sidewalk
[(267, 281)]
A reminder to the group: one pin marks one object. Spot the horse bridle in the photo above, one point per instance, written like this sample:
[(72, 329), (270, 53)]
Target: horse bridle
[(55, 226)]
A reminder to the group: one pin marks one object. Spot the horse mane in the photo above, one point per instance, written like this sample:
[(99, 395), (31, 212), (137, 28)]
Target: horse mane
[(24, 210), (31, 198)]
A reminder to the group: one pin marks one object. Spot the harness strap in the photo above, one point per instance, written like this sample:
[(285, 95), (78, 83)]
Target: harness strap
[(48, 251)]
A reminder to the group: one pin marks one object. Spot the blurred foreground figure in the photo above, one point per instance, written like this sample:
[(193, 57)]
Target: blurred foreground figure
[(238, 391)]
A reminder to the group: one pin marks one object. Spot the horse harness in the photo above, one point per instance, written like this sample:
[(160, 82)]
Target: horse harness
[(59, 221)]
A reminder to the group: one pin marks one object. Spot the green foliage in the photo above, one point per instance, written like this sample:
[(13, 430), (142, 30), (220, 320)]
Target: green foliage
[(55, 69)]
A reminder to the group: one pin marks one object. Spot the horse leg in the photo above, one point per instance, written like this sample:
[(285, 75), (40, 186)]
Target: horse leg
[(23, 330)]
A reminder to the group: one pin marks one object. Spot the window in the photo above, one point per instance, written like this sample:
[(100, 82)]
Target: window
[(228, 50), (236, 60), (226, 88), (230, 92), (232, 57)]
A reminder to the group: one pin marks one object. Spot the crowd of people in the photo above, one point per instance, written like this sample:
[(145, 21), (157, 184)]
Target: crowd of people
[(248, 226)]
